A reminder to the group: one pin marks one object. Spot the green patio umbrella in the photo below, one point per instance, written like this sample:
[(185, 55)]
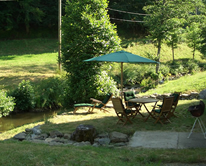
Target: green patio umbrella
[(122, 57)]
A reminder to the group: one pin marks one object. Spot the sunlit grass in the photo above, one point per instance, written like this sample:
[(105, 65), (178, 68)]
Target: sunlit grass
[(66, 122), (185, 84)]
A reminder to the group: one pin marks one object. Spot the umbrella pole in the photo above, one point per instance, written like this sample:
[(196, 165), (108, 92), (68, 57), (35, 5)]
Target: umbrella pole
[(122, 80)]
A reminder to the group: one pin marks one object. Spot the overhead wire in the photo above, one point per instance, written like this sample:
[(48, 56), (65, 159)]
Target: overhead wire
[(124, 20), (121, 11)]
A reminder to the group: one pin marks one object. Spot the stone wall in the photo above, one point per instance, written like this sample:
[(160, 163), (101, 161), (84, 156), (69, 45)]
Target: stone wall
[(192, 95)]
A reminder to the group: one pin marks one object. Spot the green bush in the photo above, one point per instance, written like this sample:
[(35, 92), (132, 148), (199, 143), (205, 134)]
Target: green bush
[(148, 83), (164, 69), (106, 84), (6, 104), (87, 33), (24, 96), (192, 66), (51, 93)]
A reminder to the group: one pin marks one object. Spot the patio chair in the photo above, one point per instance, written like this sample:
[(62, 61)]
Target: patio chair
[(95, 104), (129, 105), (124, 115), (162, 114), (197, 111), (174, 104)]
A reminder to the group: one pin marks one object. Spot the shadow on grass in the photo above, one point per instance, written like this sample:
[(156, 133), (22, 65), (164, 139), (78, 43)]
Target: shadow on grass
[(40, 69), (28, 46), (107, 122)]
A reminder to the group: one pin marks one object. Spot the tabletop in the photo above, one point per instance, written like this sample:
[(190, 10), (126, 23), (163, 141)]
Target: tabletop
[(143, 100)]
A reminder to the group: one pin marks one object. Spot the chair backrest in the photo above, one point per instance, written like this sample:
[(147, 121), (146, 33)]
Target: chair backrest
[(106, 100), (117, 104), (129, 95), (176, 98), (167, 104)]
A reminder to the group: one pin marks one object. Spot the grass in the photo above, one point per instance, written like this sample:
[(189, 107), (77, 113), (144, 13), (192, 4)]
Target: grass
[(192, 83), (32, 60), (66, 122), (36, 59)]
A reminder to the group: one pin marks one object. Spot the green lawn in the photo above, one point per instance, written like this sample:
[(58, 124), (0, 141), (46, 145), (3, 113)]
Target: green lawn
[(37, 59)]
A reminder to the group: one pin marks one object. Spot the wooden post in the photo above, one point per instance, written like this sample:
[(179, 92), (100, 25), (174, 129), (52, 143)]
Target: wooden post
[(59, 32)]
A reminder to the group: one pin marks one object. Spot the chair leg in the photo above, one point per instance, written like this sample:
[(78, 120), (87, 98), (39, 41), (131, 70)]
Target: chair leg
[(75, 109)]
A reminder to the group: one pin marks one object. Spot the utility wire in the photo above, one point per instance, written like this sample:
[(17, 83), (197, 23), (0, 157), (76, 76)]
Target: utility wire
[(124, 20), (121, 11)]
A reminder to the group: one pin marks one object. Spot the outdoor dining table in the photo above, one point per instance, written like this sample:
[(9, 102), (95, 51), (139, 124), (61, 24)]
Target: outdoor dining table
[(144, 101)]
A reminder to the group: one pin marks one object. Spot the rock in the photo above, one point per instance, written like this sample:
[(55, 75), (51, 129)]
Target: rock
[(202, 94), (116, 137), (82, 143), (67, 136), (20, 136), (87, 133), (36, 131), (41, 136), (56, 133), (84, 133)]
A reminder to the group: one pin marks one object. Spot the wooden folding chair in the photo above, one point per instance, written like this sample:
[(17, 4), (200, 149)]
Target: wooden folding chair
[(129, 105), (163, 113), (175, 102), (124, 115)]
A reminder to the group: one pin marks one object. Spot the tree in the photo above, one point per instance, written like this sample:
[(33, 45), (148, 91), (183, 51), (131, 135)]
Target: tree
[(86, 33), (158, 20), (196, 25), (174, 33), (194, 37)]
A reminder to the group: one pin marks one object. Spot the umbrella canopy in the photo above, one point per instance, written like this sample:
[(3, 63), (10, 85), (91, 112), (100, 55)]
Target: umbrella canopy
[(122, 57)]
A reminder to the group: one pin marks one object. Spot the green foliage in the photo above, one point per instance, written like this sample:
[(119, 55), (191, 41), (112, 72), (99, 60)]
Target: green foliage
[(148, 83), (193, 36), (6, 104), (106, 84), (164, 69), (50, 92), (192, 66), (24, 96), (87, 32)]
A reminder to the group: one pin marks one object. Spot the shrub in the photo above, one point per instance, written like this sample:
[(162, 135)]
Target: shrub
[(87, 33), (106, 84), (192, 66), (24, 96), (51, 92), (148, 83), (6, 104), (164, 69)]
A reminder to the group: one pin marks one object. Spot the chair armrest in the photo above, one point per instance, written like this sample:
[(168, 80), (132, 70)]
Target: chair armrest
[(96, 101)]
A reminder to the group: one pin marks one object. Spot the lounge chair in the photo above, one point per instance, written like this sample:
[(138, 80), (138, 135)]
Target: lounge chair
[(95, 104)]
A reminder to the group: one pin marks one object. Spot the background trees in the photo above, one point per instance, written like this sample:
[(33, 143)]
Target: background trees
[(86, 33)]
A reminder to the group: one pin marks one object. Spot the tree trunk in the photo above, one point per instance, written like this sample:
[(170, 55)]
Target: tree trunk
[(173, 52), (194, 52), (158, 55)]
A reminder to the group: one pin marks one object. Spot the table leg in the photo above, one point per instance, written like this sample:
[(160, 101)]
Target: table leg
[(150, 112)]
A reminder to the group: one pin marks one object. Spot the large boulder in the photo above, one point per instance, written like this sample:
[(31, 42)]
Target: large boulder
[(84, 133), (202, 94)]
